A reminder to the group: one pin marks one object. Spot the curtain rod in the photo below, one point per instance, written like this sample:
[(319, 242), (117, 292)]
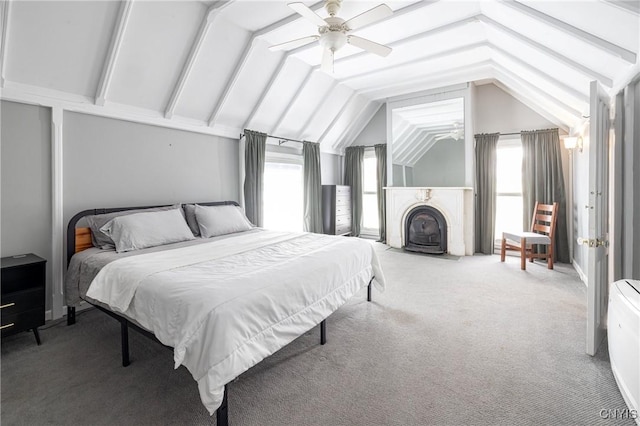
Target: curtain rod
[(281, 140)]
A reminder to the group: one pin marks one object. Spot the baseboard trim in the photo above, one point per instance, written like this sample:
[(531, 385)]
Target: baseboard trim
[(581, 274), (48, 315)]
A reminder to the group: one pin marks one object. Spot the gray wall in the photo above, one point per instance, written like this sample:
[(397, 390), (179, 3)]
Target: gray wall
[(25, 138), (331, 168), (397, 175), (442, 165), (375, 131), (110, 163)]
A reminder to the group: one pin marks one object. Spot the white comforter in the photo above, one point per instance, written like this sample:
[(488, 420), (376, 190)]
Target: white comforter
[(224, 306)]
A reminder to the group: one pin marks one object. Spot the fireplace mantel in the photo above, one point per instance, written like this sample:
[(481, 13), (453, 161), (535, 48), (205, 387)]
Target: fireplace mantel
[(456, 204)]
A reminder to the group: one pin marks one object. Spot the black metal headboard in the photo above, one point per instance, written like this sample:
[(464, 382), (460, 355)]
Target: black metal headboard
[(71, 228)]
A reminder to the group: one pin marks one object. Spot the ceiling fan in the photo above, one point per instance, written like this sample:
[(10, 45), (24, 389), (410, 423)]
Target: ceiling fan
[(456, 134), (334, 31)]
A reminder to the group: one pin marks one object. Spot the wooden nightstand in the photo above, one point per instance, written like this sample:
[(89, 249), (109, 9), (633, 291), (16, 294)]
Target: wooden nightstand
[(23, 287)]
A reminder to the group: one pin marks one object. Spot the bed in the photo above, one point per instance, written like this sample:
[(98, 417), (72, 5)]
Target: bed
[(222, 303)]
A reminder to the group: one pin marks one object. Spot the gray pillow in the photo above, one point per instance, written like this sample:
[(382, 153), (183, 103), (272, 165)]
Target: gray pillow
[(141, 230), (221, 220), (95, 222), (190, 215)]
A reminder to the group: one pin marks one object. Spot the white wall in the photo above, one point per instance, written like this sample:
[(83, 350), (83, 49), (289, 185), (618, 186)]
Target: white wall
[(25, 135)]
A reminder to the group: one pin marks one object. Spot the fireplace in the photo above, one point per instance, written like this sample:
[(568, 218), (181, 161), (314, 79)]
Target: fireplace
[(426, 231), (454, 204)]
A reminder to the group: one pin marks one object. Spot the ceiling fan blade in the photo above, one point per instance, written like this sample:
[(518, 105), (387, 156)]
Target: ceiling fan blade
[(292, 44), (369, 46), (369, 17), (303, 10), (327, 61)]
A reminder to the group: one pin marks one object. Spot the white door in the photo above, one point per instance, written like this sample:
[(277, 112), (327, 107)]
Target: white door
[(597, 269)]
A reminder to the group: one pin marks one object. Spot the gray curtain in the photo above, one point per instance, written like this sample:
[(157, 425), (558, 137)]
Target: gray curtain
[(254, 156), (312, 188), (485, 215), (543, 181), (381, 173), (353, 160)]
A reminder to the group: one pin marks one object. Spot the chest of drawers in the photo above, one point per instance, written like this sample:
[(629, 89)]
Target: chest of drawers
[(22, 303), (336, 209)]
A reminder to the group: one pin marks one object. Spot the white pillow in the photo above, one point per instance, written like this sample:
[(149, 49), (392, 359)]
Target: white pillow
[(142, 230), (221, 220)]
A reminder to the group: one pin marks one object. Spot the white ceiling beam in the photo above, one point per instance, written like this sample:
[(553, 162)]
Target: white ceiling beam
[(546, 50), (417, 37), (5, 9), (194, 53), (462, 74), (399, 134), (265, 91), (366, 114), (336, 117), (407, 145), (233, 80), (36, 95), (549, 97), (630, 6), (244, 58), (581, 96), (313, 114), (415, 61), (512, 89), (415, 145), (424, 147), (534, 98), (301, 88), (117, 37), (576, 32)]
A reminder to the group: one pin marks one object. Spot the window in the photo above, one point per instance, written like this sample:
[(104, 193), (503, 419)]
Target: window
[(370, 195), (508, 187), (283, 193)]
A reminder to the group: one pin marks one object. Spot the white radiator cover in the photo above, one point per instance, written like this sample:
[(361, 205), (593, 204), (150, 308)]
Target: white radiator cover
[(455, 204), (624, 340)]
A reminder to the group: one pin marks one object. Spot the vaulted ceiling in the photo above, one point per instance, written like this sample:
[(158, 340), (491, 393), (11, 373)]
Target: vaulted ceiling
[(206, 66)]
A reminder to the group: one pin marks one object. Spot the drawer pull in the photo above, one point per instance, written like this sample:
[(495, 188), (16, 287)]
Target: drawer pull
[(7, 326), (8, 305)]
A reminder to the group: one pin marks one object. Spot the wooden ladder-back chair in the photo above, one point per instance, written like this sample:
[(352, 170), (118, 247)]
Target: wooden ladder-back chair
[(543, 231)]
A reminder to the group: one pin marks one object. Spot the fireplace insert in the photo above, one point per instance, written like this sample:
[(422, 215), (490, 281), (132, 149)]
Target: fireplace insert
[(426, 231)]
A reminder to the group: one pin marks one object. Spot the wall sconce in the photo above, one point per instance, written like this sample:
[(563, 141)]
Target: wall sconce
[(573, 142)]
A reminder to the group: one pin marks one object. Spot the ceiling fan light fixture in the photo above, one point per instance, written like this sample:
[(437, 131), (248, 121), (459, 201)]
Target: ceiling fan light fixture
[(334, 31), (333, 40)]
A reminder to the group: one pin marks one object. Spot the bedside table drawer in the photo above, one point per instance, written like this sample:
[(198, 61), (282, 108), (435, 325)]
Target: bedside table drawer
[(19, 301), (22, 321)]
